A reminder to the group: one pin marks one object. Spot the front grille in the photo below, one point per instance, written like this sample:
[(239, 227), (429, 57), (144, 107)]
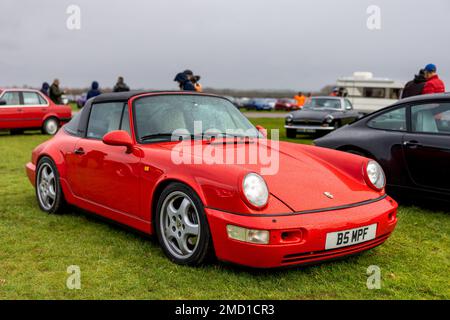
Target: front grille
[(308, 123), (329, 254)]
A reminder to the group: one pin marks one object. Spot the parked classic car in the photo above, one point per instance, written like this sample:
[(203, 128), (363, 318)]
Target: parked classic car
[(320, 114), (118, 158), (411, 141), (24, 109), (286, 104)]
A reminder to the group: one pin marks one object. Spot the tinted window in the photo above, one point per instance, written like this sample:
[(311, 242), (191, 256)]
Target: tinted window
[(104, 118), (32, 98), (431, 118), (374, 92), (391, 120), (12, 98)]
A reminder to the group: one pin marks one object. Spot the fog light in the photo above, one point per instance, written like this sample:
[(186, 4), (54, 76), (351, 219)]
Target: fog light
[(248, 235)]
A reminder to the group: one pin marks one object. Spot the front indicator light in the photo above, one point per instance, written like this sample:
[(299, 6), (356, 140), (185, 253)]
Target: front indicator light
[(248, 235)]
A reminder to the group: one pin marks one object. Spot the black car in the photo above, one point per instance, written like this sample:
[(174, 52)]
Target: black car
[(320, 114), (411, 141)]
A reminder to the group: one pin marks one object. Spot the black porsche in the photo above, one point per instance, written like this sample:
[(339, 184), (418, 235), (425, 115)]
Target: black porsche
[(320, 114), (411, 141)]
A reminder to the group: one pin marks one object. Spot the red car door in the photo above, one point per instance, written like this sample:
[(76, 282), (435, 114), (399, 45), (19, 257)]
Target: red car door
[(106, 175), (10, 110), (34, 109)]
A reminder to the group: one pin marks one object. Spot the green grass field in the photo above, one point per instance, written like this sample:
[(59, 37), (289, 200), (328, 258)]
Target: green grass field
[(116, 263)]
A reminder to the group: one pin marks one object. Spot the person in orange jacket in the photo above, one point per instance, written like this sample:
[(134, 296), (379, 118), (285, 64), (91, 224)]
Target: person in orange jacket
[(433, 84), (300, 98)]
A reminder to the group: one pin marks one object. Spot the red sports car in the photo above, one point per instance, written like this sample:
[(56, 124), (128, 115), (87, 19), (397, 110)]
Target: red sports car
[(120, 158), (286, 104), (22, 109)]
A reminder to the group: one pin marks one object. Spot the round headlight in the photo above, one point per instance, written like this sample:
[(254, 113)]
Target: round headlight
[(376, 175), (255, 190), (329, 119), (289, 118)]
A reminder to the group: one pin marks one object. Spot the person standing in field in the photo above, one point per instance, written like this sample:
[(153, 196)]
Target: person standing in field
[(45, 89), (121, 86), (433, 84), (56, 93), (300, 98), (94, 91), (415, 86), (185, 80)]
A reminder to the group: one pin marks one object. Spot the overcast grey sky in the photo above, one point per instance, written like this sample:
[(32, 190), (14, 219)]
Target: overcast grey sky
[(243, 44)]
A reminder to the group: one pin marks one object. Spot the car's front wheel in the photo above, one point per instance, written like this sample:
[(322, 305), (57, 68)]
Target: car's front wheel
[(182, 227), (48, 188), (50, 126)]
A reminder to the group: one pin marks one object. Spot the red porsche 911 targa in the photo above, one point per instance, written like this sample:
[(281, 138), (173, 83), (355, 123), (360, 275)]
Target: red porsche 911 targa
[(118, 158)]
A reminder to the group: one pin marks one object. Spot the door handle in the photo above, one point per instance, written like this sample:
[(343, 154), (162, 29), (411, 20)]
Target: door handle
[(411, 143), (79, 151)]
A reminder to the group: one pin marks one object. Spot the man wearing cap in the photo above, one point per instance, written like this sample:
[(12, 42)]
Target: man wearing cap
[(433, 84)]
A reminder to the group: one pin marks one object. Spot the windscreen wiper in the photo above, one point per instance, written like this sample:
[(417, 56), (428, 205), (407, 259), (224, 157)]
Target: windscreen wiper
[(155, 135)]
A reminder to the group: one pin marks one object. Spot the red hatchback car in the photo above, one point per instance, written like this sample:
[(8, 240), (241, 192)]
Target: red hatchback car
[(22, 109), (119, 159)]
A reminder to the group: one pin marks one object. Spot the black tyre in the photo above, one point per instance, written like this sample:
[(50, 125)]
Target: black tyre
[(48, 188), (291, 133), (50, 126), (181, 226)]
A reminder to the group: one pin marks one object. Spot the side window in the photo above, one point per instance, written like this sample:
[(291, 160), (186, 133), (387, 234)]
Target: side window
[(31, 98), (374, 93), (431, 118), (104, 118), (348, 105), (72, 126), (12, 98), (392, 120), (125, 120)]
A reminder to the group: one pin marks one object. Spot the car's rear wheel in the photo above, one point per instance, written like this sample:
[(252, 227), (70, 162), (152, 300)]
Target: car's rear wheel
[(48, 188), (50, 126), (291, 133), (182, 227)]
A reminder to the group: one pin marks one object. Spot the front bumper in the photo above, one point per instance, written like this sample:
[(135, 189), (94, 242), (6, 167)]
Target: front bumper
[(309, 231), (31, 172), (304, 128)]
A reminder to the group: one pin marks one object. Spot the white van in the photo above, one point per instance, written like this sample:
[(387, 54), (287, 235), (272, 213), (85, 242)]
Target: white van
[(368, 94)]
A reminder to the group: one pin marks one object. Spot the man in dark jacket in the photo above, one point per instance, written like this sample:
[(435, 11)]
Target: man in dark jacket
[(55, 93), (415, 86), (121, 86), (184, 80), (44, 89), (433, 84), (94, 91)]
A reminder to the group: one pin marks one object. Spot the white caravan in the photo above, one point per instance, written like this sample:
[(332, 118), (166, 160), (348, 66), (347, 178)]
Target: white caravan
[(369, 94)]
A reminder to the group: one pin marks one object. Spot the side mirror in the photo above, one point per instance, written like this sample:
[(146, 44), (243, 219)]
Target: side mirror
[(3, 102), (262, 130), (119, 138), (348, 108)]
